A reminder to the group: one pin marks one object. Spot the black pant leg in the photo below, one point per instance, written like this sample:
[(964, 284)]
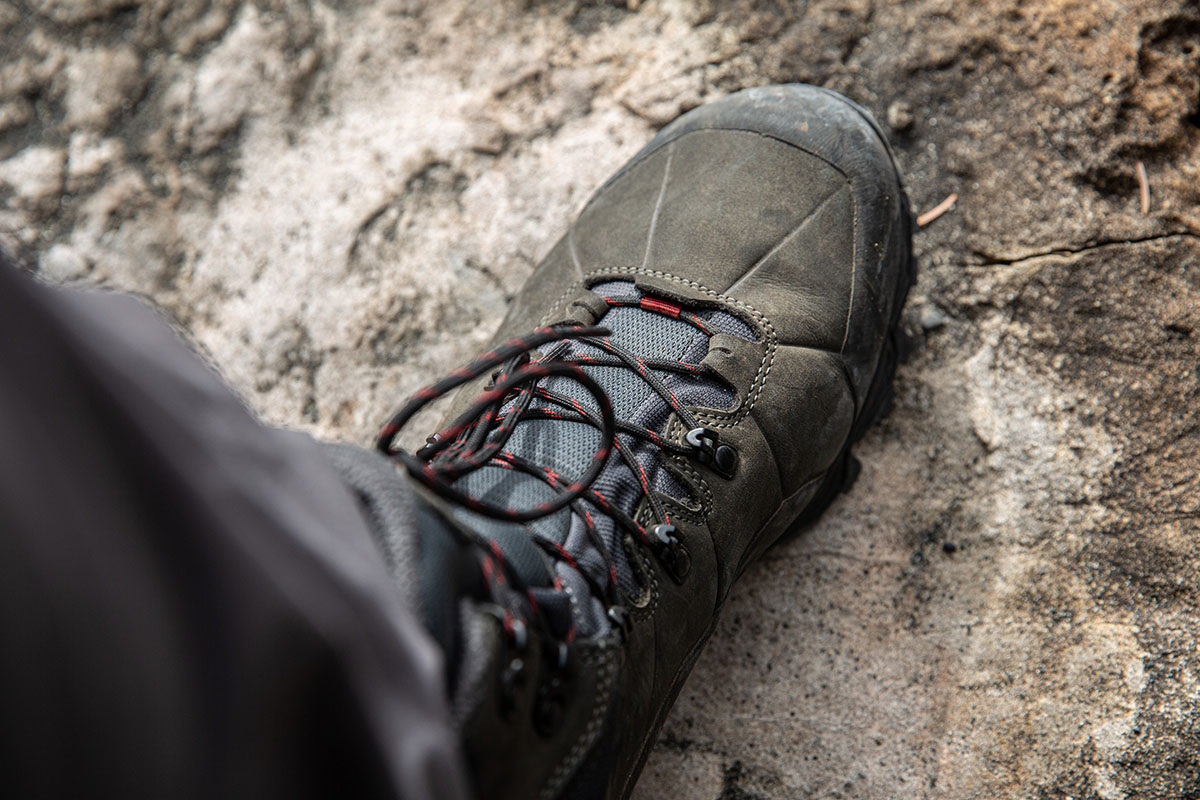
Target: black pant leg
[(191, 604)]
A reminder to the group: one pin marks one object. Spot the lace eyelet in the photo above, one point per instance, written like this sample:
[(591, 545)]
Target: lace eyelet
[(672, 553), (520, 635), (621, 621), (720, 458), (511, 681)]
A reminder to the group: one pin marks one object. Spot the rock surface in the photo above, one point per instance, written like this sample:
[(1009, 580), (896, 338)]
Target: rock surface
[(336, 201)]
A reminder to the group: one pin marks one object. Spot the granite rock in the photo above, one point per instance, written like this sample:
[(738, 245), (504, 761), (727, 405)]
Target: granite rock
[(336, 202)]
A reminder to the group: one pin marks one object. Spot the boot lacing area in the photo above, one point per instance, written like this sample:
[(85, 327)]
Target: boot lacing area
[(518, 393)]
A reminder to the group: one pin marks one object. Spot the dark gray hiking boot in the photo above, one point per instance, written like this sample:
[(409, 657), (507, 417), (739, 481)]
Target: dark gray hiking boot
[(709, 339)]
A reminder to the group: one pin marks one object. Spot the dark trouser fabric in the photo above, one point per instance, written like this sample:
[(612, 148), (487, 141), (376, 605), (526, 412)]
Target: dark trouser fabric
[(191, 604)]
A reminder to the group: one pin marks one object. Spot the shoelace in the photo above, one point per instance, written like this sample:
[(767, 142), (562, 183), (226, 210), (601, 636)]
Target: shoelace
[(478, 438)]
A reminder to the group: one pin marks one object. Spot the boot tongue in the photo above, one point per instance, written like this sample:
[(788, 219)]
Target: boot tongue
[(567, 448)]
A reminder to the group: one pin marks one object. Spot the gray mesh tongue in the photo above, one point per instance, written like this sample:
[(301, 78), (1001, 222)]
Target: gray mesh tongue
[(567, 448)]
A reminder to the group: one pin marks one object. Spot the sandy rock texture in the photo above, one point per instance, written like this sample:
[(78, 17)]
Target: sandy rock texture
[(336, 201)]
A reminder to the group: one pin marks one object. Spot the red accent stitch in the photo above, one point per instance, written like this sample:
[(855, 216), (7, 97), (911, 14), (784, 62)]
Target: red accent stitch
[(660, 306)]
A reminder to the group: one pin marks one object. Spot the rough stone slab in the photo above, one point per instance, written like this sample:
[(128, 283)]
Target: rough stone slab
[(336, 202)]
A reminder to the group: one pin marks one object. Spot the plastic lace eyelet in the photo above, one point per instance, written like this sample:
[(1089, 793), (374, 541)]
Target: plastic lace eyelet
[(672, 554), (621, 621), (511, 681), (520, 635), (720, 458)]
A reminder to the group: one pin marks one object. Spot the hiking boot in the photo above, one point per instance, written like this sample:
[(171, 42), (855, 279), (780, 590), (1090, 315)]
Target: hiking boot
[(677, 387)]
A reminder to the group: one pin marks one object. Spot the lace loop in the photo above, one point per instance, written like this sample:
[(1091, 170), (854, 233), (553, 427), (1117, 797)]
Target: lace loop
[(479, 437), (438, 475)]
